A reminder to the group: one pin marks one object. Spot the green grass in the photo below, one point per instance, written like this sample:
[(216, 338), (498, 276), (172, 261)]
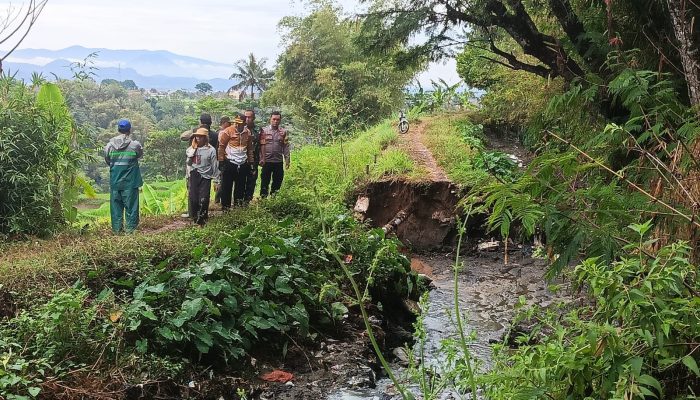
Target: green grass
[(444, 138), (394, 162), (333, 172), (95, 255)]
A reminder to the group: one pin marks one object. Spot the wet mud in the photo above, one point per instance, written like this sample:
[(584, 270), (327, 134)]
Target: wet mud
[(488, 291)]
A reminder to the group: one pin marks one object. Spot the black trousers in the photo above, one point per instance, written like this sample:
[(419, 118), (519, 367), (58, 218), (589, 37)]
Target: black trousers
[(217, 196), (250, 182), (199, 189), (233, 179), (274, 171)]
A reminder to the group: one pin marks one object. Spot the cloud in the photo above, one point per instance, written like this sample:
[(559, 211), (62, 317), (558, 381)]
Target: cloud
[(30, 60), (216, 30)]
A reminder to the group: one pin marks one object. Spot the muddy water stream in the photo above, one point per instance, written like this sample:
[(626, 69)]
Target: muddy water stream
[(488, 291)]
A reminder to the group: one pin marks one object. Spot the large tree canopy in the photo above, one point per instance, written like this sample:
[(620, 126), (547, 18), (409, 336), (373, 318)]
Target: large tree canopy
[(567, 38), (327, 80)]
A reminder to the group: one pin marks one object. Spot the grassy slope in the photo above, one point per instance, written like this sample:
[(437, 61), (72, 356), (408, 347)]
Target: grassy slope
[(318, 173), (443, 136)]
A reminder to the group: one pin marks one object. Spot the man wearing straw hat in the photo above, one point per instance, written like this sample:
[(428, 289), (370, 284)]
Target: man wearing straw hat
[(204, 167)]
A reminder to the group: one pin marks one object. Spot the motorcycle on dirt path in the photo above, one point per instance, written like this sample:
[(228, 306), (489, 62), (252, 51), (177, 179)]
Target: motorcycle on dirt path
[(403, 122)]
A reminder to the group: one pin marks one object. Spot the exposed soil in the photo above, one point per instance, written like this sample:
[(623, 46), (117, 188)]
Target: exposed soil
[(421, 214), (412, 143), (174, 224)]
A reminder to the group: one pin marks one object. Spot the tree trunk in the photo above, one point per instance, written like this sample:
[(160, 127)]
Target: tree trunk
[(689, 52), (576, 32), (545, 48)]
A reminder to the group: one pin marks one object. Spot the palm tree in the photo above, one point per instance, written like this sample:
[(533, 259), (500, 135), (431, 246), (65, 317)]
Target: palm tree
[(251, 73)]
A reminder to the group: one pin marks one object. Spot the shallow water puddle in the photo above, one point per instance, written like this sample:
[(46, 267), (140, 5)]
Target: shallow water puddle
[(487, 293)]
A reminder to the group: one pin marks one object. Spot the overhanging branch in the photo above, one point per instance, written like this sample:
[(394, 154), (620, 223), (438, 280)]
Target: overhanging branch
[(517, 64), (31, 15)]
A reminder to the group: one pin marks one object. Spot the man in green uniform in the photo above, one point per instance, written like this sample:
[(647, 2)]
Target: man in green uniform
[(122, 154)]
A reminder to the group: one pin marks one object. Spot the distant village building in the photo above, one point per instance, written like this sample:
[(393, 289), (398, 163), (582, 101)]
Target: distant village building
[(236, 94), (156, 93)]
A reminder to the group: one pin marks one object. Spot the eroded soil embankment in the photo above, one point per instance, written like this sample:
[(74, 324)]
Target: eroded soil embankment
[(422, 214)]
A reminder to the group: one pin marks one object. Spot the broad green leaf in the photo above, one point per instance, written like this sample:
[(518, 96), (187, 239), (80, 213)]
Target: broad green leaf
[(231, 303), (636, 365), (201, 346), (268, 250), (692, 365), (648, 380), (142, 346), (149, 314), (282, 285), (166, 333)]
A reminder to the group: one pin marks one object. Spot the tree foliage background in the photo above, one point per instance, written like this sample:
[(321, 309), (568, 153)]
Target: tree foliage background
[(607, 96), (325, 80)]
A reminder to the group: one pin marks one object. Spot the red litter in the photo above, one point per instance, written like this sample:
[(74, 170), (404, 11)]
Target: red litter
[(278, 376)]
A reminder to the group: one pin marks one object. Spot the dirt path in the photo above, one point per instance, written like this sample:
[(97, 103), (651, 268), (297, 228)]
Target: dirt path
[(412, 143), (175, 222)]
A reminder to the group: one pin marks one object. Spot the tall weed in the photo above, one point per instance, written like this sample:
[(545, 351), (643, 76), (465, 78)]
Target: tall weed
[(637, 340)]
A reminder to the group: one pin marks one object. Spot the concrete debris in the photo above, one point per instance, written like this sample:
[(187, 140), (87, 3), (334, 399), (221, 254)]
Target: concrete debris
[(488, 246), (516, 160), (362, 204), (401, 355)]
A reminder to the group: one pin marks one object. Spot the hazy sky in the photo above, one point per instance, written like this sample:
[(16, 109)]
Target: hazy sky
[(201, 28)]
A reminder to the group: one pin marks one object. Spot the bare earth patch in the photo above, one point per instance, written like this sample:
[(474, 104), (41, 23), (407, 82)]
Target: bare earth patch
[(412, 143)]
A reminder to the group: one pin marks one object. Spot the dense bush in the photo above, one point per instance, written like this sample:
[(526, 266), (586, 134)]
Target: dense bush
[(167, 303), (52, 339), (638, 340), (34, 143), (266, 283)]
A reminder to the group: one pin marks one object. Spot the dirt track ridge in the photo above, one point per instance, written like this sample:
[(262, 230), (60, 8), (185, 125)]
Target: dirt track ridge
[(412, 142)]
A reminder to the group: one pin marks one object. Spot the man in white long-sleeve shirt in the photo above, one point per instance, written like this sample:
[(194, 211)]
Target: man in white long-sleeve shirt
[(201, 158)]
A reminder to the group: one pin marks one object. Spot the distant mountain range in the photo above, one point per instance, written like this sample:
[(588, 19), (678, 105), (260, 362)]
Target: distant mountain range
[(159, 69)]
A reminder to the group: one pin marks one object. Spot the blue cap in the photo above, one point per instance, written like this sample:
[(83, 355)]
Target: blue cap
[(123, 125)]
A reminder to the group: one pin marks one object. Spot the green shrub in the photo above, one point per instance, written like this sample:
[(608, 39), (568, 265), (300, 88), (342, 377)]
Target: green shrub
[(637, 341), (265, 284), (51, 339), (496, 163), (30, 154), (62, 328)]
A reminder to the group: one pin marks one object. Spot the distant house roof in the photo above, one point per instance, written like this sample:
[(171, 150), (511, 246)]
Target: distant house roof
[(238, 94)]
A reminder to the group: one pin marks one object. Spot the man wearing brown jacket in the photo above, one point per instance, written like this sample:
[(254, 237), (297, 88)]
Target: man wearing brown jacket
[(235, 155), (274, 153)]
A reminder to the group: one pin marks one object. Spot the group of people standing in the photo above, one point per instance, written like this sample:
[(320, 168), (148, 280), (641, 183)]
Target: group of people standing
[(231, 159)]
